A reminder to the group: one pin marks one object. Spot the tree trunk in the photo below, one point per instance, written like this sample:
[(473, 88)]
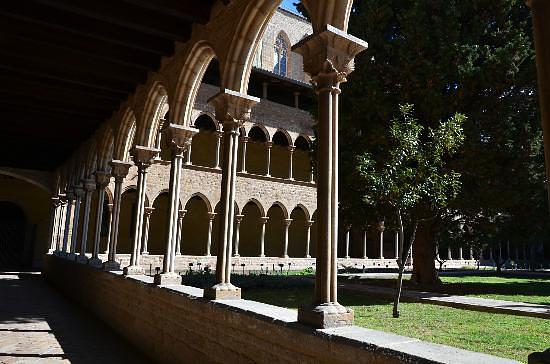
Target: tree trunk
[(424, 272)]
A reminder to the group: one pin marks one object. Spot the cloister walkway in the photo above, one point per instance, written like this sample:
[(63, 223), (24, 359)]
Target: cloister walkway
[(39, 325)]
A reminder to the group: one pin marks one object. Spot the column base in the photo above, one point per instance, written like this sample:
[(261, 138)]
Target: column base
[(95, 262), (262, 255), (111, 265), (285, 256), (381, 258), (178, 253), (347, 257), (308, 256), (167, 279), (236, 255), (82, 259), (71, 256), (145, 253), (222, 291), (325, 315), (133, 270)]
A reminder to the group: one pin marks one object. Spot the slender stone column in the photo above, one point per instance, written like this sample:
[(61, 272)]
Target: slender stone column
[(312, 177), (286, 223), (268, 146), (381, 239), (328, 58), (396, 244), (460, 255), (110, 223), (211, 217), (244, 144), (178, 136), (68, 215), (238, 220), (263, 221), (119, 170), (308, 237), (365, 244), (102, 181), (188, 153), (348, 232), (79, 193), (449, 253), (61, 223), (143, 158), (181, 215), (219, 136), (291, 150), (471, 253), (54, 221), (232, 110), (540, 10), (147, 215), (437, 252), (89, 187)]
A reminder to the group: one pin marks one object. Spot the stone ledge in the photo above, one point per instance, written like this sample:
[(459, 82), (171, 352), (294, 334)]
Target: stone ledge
[(230, 330)]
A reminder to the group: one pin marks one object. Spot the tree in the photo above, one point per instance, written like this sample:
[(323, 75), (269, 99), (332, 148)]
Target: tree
[(412, 180)]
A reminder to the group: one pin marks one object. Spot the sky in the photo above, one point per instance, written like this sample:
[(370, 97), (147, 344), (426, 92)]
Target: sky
[(287, 4)]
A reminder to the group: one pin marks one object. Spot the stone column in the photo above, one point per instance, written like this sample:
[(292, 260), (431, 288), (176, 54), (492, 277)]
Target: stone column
[(232, 110), (244, 143), (471, 253), (365, 244), (328, 58), (79, 193), (286, 223), (268, 146), (54, 221), (290, 158), (219, 136), (308, 237), (143, 158), (178, 136), (181, 215), (110, 223), (449, 253), (147, 215), (89, 187), (188, 153), (396, 244), (119, 171), (348, 233), (460, 255), (238, 220), (381, 239), (437, 252), (311, 177), (540, 10), (211, 217), (102, 181), (263, 221), (61, 223), (69, 212)]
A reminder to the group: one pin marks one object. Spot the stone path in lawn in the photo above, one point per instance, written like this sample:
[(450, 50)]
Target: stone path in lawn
[(469, 303), (39, 325)]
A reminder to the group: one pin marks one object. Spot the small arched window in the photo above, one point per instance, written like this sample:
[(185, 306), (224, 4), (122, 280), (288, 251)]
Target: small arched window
[(280, 56)]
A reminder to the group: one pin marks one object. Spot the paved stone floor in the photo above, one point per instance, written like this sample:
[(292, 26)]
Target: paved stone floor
[(39, 325)]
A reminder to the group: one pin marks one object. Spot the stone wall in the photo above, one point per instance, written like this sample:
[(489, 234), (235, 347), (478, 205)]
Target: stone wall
[(176, 325)]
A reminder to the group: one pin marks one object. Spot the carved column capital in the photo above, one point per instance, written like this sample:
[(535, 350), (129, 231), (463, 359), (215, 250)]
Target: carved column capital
[(179, 136), (239, 218), (148, 211), (264, 219), (89, 185), (79, 191), (144, 156), (309, 223), (102, 179), (211, 215), (181, 213), (119, 169), (232, 108), (287, 222)]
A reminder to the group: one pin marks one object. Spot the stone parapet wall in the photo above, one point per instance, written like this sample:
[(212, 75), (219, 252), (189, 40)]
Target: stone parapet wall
[(174, 324)]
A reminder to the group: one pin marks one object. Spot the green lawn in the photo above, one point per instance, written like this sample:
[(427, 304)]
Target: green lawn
[(497, 334)]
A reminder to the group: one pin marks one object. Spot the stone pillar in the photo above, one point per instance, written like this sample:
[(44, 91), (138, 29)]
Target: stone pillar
[(471, 253), (381, 239), (348, 232), (437, 252), (328, 58), (211, 217), (308, 237), (143, 158), (89, 187), (54, 221), (147, 216), (297, 99), (263, 221), (244, 143), (102, 181), (238, 220), (69, 212), (449, 253), (232, 110), (540, 10), (396, 244), (61, 223), (286, 223), (188, 153), (181, 215), (109, 224), (365, 244), (219, 136), (268, 146), (290, 160), (460, 255), (119, 171), (79, 193), (312, 177), (178, 136)]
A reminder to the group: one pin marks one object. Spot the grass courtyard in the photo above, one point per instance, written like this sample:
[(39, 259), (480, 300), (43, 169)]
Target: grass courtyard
[(509, 336)]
